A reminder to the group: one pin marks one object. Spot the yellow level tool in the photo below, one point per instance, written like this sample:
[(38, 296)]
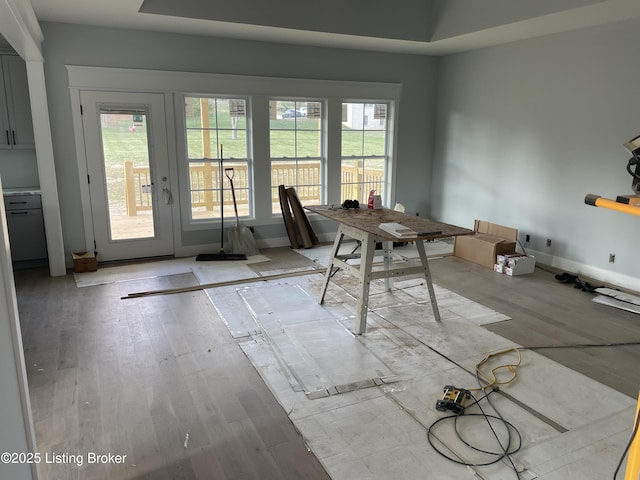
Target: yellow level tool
[(632, 207)]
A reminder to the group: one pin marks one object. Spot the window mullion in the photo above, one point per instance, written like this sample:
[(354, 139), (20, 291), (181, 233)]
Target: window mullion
[(260, 147)]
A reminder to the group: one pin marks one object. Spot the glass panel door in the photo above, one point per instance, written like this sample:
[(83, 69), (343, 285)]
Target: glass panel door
[(127, 171)]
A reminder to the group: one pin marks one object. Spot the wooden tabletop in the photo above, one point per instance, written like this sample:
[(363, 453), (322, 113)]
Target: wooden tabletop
[(368, 220)]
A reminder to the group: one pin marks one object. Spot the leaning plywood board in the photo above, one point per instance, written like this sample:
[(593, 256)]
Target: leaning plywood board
[(299, 217), (288, 218), (295, 200)]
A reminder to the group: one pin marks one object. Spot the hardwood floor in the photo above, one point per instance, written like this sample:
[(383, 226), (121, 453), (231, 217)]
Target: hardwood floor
[(545, 312), (162, 381), (158, 380)]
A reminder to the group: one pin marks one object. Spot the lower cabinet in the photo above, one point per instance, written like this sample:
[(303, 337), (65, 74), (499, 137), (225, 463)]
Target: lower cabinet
[(26, 228)]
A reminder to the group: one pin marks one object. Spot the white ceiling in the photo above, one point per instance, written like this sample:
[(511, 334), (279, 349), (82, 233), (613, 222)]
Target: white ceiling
[(477, 33)]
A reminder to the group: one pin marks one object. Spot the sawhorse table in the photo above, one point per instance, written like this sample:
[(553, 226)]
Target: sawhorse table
[(363, 226)]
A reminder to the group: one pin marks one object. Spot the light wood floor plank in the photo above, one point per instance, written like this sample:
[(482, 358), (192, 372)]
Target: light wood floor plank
[(544, 311), (134, 377)]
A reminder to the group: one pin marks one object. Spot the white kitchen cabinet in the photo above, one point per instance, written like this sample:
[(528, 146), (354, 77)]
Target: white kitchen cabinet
[(16, 126)]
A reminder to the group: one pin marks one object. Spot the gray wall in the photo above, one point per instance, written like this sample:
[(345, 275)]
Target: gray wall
[(75, 45), (458, 17), (525, 130), (16, 424), (18, 168)]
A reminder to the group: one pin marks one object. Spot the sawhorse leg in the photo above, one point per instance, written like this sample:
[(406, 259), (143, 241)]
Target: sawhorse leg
[(427, 276), (334, 252), (387, 249), (368, 247)]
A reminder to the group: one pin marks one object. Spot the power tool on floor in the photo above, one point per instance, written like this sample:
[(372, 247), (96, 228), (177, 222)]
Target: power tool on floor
[(454, 399)]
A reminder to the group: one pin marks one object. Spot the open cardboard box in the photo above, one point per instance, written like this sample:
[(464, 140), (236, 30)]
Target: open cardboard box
[(515, 264), (85, 262), (488, 241)]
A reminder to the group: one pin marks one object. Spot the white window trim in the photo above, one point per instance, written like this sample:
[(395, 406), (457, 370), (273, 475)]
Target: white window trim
[(183, 165), (258, 90), (324, 134), (389, 166)]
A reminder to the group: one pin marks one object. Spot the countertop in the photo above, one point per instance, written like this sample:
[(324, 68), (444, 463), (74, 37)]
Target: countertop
[(8, 192)]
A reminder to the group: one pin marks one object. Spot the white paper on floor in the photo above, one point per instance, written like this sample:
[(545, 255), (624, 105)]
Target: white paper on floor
[(571, 426), (614, 302), (123, 273), (319, 352), (214, 272), (175, 266), (225, 299), (450, 304)]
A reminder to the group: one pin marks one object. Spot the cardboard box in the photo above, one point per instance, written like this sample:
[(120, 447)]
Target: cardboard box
[(85, 262), (517, 264), (488, 241)]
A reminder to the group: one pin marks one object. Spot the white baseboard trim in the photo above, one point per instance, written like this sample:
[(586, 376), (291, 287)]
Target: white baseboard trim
[(577, 268), (284, 241), (192, 250), (606, 276)]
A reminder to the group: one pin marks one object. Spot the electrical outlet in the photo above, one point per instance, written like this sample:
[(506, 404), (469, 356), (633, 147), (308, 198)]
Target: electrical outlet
[(612, 258), (527, 238), (548, 242)]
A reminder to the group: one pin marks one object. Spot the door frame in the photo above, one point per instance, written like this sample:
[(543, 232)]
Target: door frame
[(83, 173)]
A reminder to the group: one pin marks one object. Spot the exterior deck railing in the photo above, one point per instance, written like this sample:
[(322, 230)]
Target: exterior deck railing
[(205, 179)]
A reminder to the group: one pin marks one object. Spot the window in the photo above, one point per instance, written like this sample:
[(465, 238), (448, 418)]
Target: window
[(296, 139), (216, 133), (208, 110), (364, 150)]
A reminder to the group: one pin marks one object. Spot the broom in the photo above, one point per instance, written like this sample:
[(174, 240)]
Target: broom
[(222, 255)]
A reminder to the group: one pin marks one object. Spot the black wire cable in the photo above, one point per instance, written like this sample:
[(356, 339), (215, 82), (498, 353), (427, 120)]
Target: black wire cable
[(511, 447), (591, 345), (633, 162), (581, 345), (499, 455), (626, 449), (524, 252), (507, 453)]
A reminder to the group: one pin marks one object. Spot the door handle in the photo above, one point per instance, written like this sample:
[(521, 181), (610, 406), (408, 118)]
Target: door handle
[(13, 133), (8, 140)]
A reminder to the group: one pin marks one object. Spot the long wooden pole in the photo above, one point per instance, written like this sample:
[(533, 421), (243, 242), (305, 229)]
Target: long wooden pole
[(205, 286)]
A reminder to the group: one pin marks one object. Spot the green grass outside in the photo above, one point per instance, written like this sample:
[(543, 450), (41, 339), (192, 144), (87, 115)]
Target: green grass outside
[(122, 142)]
